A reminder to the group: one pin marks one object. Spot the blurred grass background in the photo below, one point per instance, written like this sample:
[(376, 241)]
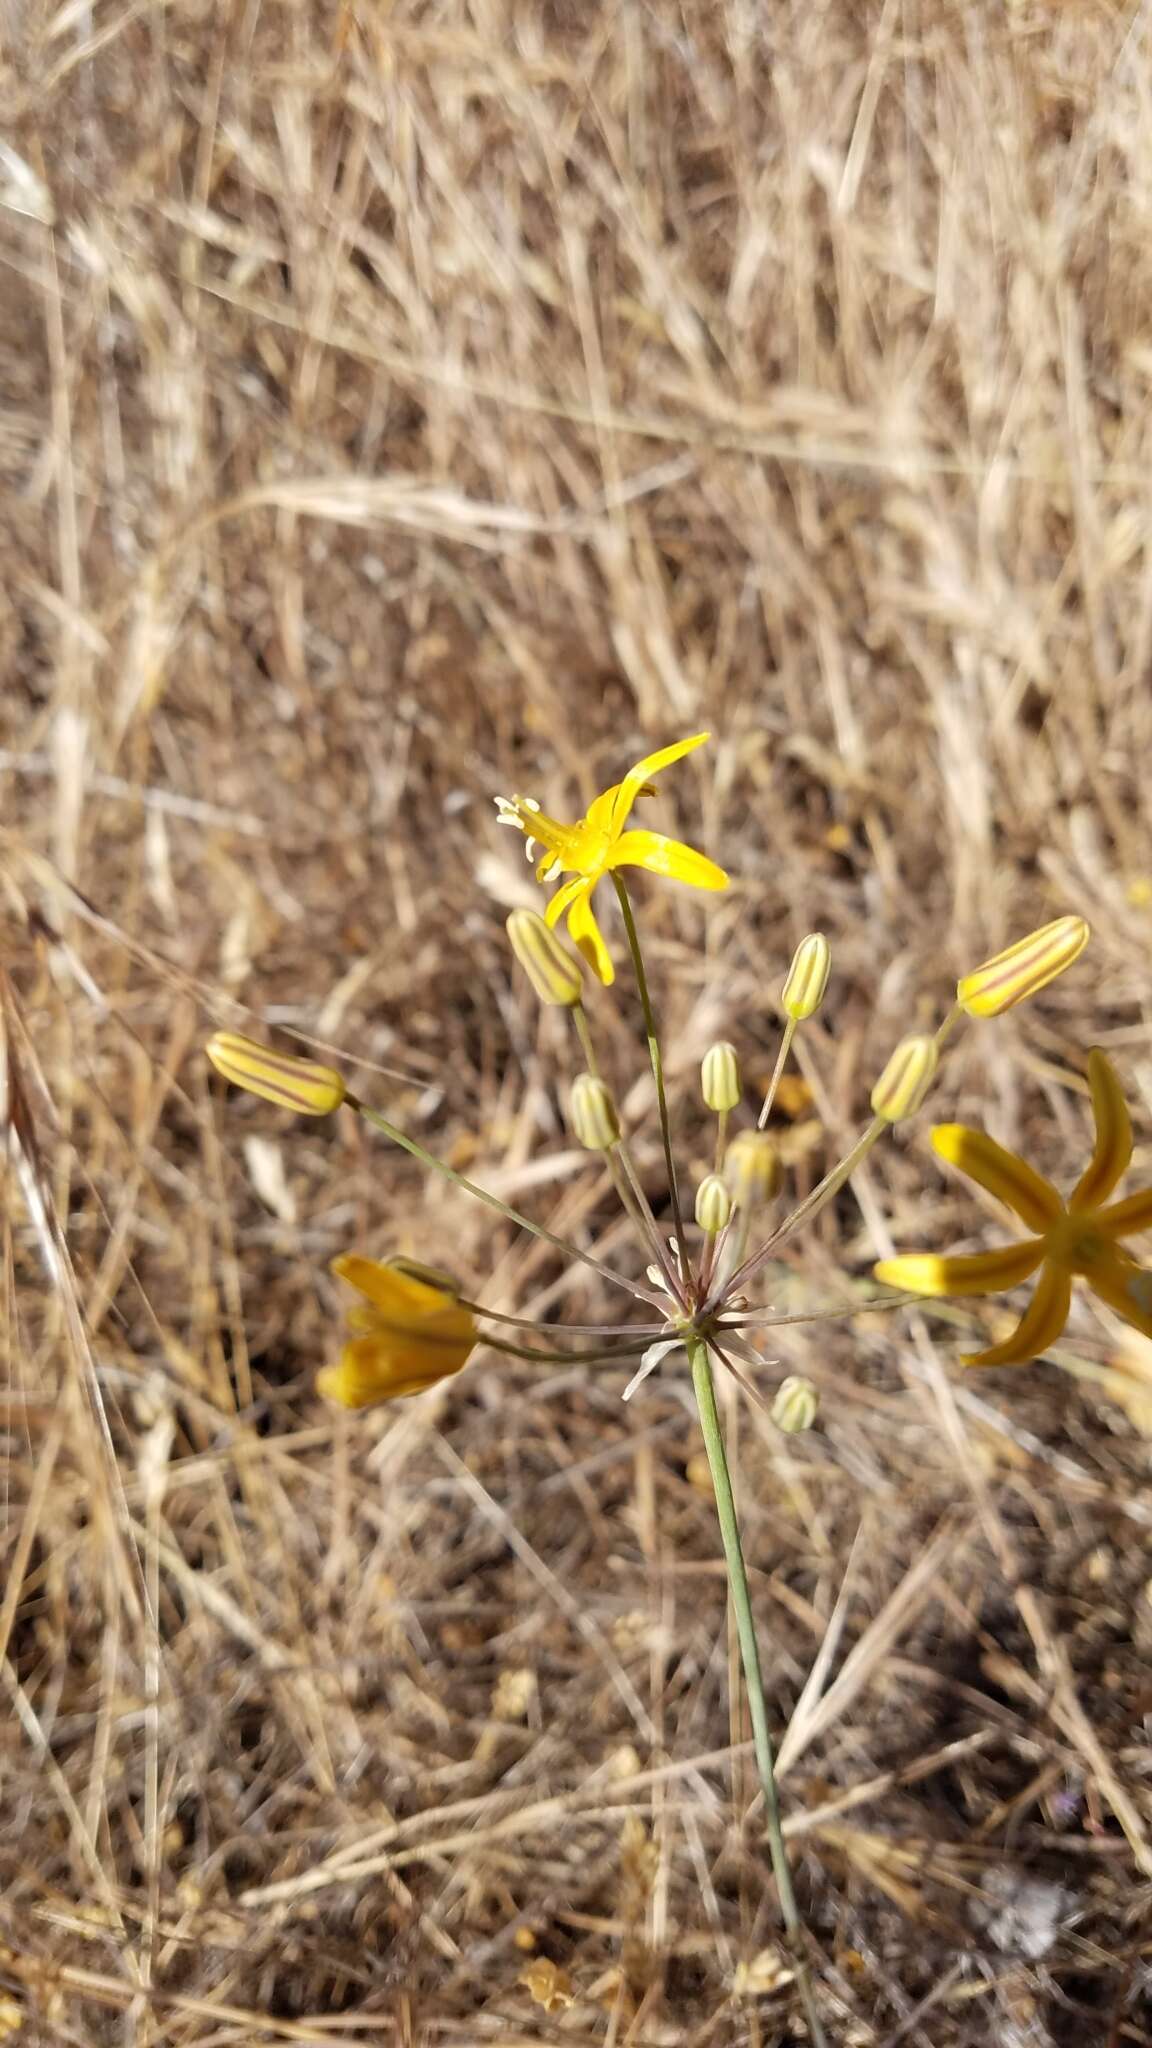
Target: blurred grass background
[(406, 404)]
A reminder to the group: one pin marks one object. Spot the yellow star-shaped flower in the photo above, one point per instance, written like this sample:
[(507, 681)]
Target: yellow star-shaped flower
[(1077, 1236), (598, 842), (408, 1333)]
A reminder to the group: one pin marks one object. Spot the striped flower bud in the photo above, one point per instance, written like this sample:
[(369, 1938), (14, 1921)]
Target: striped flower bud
[(298, 1084), (592, 1114), (550, 967), (752, 1168), (720, 1076), (713, 1205), (794, 1408), (803, 992), (906, 1079), (1024, 969)]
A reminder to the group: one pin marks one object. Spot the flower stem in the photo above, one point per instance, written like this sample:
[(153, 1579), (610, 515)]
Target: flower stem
[(654, 1056), (778, 1069), (470, 1187), (821, 1195), (616, 1355), (713, 1434)]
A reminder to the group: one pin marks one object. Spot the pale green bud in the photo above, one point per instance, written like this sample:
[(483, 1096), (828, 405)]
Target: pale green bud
[(752, 1168), (906, 1079), (592, 1114), (713, 1205), (550, 967), (803, 992), (720, 1076), (794, 1408)]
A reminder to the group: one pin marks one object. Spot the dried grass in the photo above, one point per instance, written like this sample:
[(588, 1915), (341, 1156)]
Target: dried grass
[(408, 404)]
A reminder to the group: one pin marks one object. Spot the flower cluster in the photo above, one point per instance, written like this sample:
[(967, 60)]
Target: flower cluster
[(414, 1329)]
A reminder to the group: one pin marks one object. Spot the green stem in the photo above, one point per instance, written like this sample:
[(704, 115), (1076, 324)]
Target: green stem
[(636, 1206), (821, 1195), (426, 1158), (713, 1434), (657, 1063), (774, 1083), (619, 1355), (584, 1034)]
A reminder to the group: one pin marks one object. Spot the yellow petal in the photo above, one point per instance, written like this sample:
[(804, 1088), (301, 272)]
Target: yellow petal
[(391, 1292), (600, 815), (1039, 1326), (1113, 1148), (1127, 1218), (981, 1273), (370, 1370), (564, 898), (627, 791), (585, 933), (1002, 1173), (1125, 1287), (663, 856)]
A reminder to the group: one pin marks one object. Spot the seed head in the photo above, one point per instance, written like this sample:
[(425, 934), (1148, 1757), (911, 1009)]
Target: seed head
[(713, 1205), (803, 992), (550, 967), (906, 1079), (592, 1114), (794, 1408), (752, 1168), (720, 1076), (1024, 969), (281, 1077)]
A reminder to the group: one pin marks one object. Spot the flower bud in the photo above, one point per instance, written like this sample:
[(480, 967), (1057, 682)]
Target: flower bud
[(713, 1205), (794, 1408), (1024, 969), (550, 967), (302, 1085), (428, 1276), (592, 1114), (906, 1079), (720, 1076), (752, 1168), (803, 992)]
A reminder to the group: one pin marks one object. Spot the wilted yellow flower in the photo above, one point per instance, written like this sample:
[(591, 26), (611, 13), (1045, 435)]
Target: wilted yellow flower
[(720, 1076), (597, 843), (1074, 1237), (906, 1079), (408, 1334), (752, 1168), (299, 1084), (803, 991), (592, 1113), (713, 1205), (548, 1985), (1024, 969), (550, 967)]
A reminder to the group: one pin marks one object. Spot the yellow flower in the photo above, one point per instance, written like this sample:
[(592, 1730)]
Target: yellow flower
[(597, 843), (408, 1334), (1077, 1236)]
